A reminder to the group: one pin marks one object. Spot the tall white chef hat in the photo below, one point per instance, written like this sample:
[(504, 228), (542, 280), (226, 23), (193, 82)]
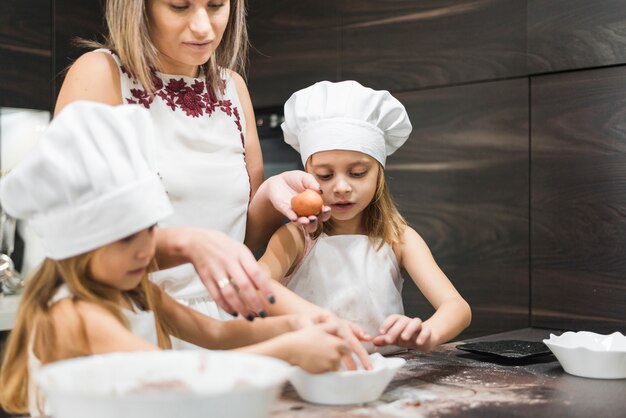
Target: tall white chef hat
[(345, 116), (91, 180)]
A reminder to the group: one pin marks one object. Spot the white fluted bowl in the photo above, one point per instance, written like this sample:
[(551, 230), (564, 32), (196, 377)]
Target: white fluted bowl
[(164, 384), (588, 354), (347, 387)]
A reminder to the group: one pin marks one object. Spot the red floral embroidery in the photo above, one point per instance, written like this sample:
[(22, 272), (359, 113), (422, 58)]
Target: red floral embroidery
[(195, 100)]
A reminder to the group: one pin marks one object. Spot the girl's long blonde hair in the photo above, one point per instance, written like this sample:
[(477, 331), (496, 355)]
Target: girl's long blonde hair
[(382, 221), (34, 320), (129, 37)]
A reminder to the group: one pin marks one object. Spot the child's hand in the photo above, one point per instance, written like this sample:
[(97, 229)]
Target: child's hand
[(347, 330), (406, 332), (316, 348)]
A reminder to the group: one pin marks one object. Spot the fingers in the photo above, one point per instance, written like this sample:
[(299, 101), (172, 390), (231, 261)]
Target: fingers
[(358, 332), (393, 333), (388, 323), (309, 182), (258, 276), (216, 294), (348, 362), (412, 329), (242, 294), (423, 338)]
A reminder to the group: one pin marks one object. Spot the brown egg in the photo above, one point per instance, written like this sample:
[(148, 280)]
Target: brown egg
[(307, 203)]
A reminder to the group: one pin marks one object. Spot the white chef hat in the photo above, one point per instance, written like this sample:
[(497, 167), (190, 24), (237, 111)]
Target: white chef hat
[(345, 116), (90, 181)]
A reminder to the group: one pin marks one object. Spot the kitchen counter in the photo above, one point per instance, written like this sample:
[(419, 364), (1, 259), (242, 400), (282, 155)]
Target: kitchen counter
[(8, 310), (453, 383)]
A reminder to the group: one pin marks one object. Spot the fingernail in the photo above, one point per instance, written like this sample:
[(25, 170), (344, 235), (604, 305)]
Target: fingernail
[(262, 313), (271, 299), (321, 191), (235, 314), (313, 221), (250, 317)]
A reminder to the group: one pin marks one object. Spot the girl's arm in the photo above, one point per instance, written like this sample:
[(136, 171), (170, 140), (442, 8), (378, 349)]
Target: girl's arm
[(306, 341), (94, 77), (452, 313)]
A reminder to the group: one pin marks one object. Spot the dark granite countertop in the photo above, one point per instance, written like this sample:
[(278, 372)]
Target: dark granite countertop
[(453, 383)]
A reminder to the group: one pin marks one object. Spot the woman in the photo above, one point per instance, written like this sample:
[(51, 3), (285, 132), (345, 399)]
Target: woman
[(180, 59)]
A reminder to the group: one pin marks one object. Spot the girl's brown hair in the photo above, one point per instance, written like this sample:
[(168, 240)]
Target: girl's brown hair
[(129, 37), (34, 320), (381, 218)]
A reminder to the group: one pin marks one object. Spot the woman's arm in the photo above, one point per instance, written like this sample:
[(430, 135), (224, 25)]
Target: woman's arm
[(264, 219), (452, 313), (215, 256), (95, 77)]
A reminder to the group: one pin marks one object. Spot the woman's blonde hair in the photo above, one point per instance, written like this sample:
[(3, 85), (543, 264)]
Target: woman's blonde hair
[(381, 219), (34, 320), (129, 37)]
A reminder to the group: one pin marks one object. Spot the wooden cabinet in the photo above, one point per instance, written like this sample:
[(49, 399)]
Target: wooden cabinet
[(571, 34), (293, 45), (25, 53), (578, 200), (403, 45)]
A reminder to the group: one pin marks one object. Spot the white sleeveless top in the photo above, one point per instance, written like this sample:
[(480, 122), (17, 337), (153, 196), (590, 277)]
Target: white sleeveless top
[(200, 158), (346, 275), (141, 324)]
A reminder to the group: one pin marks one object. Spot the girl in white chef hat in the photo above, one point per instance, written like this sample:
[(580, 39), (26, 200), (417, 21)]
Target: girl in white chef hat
[(91, 194), (351, 265)]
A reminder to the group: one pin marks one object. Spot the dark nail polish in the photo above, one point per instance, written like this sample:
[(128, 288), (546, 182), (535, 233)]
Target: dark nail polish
[(321, 191), (250, 317), (235, 314), (262, 313), (271, 299)]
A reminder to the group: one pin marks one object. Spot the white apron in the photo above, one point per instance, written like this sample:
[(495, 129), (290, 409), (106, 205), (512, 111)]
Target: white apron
[(346, 275)]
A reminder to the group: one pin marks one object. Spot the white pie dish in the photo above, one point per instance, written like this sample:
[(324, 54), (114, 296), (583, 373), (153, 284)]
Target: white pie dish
[(163, 384), (588, 354), (347, 387)]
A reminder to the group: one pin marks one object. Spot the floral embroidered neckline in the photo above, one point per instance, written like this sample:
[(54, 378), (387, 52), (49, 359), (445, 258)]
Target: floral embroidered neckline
[(193, 98)]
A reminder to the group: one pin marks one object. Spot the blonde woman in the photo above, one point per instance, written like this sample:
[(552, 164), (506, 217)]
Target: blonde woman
[(181, 60), (96, 204), (351, 265)]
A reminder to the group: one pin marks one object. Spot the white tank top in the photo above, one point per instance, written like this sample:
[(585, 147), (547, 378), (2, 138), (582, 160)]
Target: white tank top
[(141, 324), (200, 158), (346, 275)]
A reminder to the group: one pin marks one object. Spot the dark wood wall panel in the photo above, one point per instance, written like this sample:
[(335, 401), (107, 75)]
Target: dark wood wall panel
[(294, 44), (403, 45), (25, 53), (74, 19), (570, 34), (578, 199), (462, 182)]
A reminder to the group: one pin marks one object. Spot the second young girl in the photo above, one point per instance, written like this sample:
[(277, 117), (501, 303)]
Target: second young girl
[(91, 193), (352, 264)]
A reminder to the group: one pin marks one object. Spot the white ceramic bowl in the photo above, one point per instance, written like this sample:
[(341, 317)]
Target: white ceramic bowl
[(163, 384), (347, 387), (588, 354)]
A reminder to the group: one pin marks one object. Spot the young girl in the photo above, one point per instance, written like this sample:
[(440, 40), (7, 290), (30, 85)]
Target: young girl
[(92, 196), (351, 265)]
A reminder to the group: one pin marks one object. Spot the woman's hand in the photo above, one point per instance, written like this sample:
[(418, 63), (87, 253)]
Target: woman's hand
[(406, 332), (315, 348), (284, 186), (350, 332), (226, 267)]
